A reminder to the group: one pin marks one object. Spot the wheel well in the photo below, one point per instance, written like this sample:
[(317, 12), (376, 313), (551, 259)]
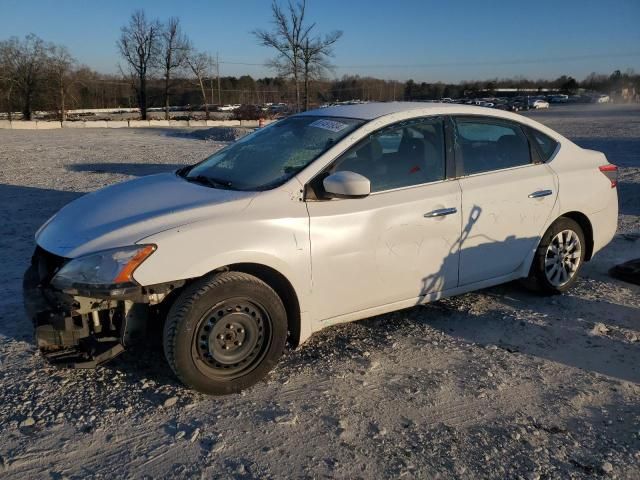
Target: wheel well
[(582, 220), (283, 288)]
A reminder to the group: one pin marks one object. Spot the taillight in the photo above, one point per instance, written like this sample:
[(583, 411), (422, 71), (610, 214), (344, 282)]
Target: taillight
[(611, 172)]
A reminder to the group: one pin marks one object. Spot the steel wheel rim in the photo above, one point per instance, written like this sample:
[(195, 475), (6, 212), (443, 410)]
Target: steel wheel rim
[(231, 339), (562, 258)]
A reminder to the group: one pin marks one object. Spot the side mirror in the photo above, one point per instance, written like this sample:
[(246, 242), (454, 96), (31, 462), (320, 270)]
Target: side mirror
[(347, 185)]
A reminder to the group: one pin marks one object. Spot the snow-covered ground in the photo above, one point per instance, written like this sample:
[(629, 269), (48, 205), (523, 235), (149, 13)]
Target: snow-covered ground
[(499, 383)]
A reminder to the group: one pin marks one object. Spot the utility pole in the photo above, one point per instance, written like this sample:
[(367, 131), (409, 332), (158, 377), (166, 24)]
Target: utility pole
[(211, 78), (218, 75)]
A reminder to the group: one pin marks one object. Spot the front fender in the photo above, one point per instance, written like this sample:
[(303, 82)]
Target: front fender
[(194, 250)]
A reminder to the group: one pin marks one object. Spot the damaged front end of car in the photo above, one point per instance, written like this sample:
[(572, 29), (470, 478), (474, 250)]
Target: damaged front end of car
[(85, 311)]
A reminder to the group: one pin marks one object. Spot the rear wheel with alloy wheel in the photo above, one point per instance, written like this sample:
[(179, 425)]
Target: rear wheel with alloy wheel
[(559, 257), (225, 332)]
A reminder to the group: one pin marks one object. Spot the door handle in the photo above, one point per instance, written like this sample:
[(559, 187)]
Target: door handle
[(540, 194), (441, 212)]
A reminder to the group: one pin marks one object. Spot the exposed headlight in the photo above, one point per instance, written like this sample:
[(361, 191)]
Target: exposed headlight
[(106, 269)]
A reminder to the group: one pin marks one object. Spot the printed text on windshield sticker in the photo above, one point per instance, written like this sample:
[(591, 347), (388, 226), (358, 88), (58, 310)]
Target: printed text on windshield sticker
[(330, 125)]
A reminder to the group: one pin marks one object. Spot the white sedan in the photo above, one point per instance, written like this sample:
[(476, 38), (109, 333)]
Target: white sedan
[(324, 217), (538, 103)]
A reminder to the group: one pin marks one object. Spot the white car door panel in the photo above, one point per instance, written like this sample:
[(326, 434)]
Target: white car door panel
[(387, 247), (506, 212)]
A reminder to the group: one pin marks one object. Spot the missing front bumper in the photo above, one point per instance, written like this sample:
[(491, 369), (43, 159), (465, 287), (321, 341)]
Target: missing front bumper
[(77, 332)]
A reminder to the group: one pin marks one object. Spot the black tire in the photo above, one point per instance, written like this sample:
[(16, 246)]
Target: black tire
[(540, 273), (225, 332)]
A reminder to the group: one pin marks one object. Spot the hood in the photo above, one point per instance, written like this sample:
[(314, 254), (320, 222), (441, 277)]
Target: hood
[(127, 212)]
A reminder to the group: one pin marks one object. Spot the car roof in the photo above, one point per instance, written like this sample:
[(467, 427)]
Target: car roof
[(367, 111), (373, 110)]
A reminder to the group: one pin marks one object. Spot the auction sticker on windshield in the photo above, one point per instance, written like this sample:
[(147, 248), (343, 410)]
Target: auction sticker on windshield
[(330, 125)]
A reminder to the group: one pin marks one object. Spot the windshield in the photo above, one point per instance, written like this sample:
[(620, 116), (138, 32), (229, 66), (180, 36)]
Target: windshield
[(272, 155)]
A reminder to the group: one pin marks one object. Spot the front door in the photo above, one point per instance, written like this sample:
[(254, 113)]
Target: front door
[(400, 242)]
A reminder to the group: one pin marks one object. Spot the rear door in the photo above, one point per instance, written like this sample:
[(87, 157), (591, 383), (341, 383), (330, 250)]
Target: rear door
[(507, 197)]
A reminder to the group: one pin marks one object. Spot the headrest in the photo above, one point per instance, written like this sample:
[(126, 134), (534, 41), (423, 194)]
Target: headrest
[(411, 146), (371, 150), (509, 142)]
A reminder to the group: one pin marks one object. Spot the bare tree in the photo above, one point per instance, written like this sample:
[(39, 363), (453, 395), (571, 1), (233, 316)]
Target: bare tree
[(24, 66), (287, 38), (6, 79), (139, 46), (200, 63), (174, 46), (60, 65), (315, 59), (7, 87)]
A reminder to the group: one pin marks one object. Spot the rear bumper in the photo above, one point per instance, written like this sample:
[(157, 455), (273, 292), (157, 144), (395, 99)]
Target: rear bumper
[(605, 223), (69, 331)]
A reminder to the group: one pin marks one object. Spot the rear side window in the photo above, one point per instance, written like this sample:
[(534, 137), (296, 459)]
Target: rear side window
[(546, 145), (487, 145)]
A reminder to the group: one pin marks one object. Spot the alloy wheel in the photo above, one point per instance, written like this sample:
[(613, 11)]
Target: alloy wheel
[(562, 258)]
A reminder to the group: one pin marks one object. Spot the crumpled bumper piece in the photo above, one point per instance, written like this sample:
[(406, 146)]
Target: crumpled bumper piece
[(77, 358), (628, 271)]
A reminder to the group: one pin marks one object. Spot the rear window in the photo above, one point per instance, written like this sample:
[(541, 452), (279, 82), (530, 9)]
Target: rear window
[(546, 145)]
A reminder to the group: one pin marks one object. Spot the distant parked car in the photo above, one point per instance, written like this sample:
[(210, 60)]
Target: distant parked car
[(228, 108), (278, 107), (248, 112), (538, 103), (324, 217), (558, 98), (517, 105)]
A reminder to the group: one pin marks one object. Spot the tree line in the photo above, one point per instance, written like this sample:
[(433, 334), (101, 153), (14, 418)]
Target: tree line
[(161, 67)]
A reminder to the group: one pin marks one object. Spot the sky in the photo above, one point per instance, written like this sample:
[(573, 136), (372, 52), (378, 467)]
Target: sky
[(425, 40)]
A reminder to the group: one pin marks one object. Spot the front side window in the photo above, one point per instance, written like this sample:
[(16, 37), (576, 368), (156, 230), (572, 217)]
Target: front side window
[(272, 155), (403, 154), (486, 145)]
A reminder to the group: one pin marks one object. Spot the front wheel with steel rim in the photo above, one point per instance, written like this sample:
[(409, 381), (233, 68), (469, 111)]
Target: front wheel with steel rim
[(559, 257), (225, 332)]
